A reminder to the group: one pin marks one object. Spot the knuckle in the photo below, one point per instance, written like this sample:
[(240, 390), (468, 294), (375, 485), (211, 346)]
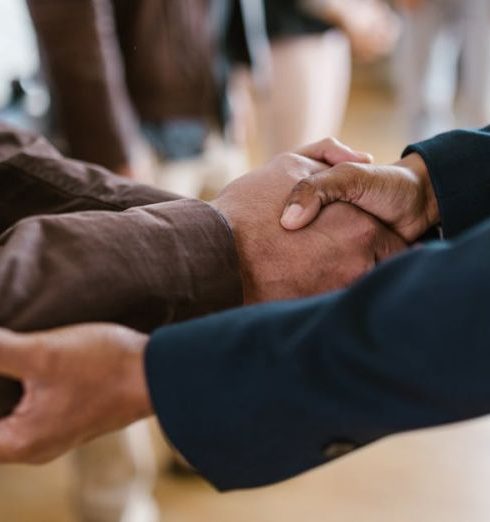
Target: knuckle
[(332, 142), (286, 157), (346, 168), (291, 160), (306, 186)]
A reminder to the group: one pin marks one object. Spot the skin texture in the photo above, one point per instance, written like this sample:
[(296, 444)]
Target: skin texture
[(84, 381), (342, 244), (401, 195)]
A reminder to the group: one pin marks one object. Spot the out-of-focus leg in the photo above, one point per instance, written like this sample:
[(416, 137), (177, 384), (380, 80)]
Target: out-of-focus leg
[(115, 476), (475, 77), (305, 101), (309, 91), (426, 71)]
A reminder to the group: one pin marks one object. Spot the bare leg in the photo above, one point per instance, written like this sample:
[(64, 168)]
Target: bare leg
[(115, 476), (427, 70), (475, 77), (308, 95)]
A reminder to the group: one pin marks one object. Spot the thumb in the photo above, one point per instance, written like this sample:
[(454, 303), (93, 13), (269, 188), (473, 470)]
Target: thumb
[(310, 194), (333, 152)]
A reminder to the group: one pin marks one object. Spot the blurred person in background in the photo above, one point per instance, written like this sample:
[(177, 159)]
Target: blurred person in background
[(120, 69), (304, 96), (445, 46)]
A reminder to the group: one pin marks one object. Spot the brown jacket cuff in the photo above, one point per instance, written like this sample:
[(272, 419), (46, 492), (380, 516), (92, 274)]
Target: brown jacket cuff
[(207, 258)]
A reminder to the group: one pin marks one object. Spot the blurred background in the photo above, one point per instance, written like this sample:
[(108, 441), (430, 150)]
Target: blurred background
[(190, 94)]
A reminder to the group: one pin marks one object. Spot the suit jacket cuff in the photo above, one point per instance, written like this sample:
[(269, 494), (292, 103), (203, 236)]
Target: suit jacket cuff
[(459, 167), (228, 405)]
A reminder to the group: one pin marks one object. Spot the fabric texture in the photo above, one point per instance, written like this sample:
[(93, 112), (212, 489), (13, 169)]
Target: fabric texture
[(459, 163), (79, 244)]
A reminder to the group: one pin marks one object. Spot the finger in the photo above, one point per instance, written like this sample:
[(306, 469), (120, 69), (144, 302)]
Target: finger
[(14, 355), (311, 194), (332, 151)]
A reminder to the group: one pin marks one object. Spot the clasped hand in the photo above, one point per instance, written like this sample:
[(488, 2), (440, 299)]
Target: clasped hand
[(400, 195)]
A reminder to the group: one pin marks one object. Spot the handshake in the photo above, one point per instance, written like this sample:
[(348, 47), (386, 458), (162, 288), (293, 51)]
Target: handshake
[(341, 215)]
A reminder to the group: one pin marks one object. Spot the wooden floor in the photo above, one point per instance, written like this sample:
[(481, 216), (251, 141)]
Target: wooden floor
[(437, 476)]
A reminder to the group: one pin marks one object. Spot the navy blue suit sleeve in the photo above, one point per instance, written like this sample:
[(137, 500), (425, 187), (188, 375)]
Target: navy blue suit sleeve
[(256, 395), (459, 166)]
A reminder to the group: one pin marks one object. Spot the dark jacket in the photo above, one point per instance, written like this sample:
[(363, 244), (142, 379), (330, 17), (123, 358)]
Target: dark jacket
[(258, 395)]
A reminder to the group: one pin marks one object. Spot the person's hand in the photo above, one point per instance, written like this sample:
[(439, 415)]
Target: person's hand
[(341, 246), (401, 195), (79, 382)]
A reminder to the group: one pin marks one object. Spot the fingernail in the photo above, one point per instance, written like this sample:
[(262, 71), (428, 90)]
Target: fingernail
[(292, 215)]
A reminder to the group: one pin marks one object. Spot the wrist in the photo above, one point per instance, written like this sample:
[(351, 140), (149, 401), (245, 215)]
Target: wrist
[(416, 164)]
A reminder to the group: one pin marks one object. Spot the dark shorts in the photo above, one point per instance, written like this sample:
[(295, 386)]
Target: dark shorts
[(284, 18)]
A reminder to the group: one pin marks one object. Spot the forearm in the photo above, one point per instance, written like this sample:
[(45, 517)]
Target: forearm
[(459, 167)]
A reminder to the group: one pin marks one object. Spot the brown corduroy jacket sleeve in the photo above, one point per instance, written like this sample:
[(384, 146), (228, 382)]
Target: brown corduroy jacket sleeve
[(80, 244)]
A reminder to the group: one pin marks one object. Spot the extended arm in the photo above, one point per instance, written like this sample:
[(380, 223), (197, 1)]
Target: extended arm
[(271, 391), (78, 243), (99, 247)]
